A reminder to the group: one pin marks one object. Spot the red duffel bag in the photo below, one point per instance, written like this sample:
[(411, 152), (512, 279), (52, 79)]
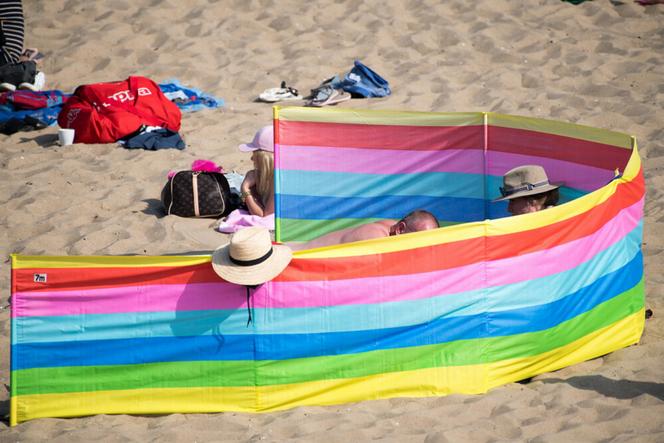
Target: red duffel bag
[(106, 112)]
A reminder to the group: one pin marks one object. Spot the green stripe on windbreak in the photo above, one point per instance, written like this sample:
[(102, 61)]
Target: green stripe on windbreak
[(292, 229), (275, 372), (458, 353)]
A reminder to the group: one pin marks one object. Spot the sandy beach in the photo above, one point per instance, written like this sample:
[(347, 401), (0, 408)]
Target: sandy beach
[(600, 63)]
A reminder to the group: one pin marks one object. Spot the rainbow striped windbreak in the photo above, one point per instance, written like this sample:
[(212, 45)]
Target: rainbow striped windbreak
[(460, 309), (337, 168)]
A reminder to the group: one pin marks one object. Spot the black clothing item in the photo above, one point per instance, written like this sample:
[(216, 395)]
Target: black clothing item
[(12, 31), (157, 139), (17, 73)]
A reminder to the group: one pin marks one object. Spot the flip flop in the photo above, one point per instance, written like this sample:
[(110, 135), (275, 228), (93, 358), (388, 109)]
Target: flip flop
[(329, 97), (321, 96), (342, 96), (283, 93)]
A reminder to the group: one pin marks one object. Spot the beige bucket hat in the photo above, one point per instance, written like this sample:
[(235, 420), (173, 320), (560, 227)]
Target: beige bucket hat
[(250, 258), (525, 180)]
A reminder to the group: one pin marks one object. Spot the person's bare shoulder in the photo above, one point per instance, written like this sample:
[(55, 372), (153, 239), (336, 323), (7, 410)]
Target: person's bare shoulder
[(370, 230)]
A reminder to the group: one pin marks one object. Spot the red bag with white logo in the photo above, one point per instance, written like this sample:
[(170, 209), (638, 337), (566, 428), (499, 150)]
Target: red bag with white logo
[(106, 112)]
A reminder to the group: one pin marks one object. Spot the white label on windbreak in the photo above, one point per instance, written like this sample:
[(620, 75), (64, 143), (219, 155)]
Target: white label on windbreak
[(40, 278)]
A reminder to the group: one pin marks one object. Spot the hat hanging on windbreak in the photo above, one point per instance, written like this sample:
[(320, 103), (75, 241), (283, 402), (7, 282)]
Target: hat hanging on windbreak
[(250, 258)]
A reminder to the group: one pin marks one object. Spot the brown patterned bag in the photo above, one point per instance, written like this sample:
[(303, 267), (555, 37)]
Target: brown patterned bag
[(197, 194)]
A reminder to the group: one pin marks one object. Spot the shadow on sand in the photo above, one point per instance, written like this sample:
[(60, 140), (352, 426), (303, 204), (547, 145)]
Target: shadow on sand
[(621, 389)]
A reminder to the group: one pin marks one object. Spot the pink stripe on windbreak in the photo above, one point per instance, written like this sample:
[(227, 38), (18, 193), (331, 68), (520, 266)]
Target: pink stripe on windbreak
[(381, 161), (573, 175), (148, 298), (566, 256), (466, 161), (203, 296)]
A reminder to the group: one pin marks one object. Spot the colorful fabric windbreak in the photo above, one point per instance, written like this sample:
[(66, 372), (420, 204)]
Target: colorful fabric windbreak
[(461, 309), (337, 168)]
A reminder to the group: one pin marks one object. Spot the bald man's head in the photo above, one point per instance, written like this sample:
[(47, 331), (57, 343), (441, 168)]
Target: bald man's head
[(419, 220)]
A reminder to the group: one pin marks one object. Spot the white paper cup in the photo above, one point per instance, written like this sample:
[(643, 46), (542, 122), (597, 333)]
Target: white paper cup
[(65, 136)]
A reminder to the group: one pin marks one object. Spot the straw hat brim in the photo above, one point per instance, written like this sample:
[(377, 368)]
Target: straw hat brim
[(254, 274), (539, 190)]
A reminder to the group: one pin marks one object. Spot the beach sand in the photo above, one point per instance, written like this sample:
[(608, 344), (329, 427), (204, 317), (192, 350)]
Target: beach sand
[(600, 63)]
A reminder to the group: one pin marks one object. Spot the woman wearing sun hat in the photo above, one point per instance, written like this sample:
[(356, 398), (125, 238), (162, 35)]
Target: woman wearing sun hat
[(527, 189), (258, 185)]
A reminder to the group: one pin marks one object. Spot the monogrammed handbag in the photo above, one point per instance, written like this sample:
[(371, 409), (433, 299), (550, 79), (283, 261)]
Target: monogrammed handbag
[(197, 194)]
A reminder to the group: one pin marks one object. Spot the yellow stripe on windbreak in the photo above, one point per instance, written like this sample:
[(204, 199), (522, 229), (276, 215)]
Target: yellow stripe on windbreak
[(133, 401), (102, 261), (472, 379), (419, 383), (377, 117), (616, 336), (565, 129), (633, 167)]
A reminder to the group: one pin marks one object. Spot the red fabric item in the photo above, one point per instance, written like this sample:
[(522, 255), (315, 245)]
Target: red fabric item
[(31, 100), (106, 112)]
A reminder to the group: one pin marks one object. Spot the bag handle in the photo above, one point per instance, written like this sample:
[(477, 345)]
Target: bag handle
[(194, 185)]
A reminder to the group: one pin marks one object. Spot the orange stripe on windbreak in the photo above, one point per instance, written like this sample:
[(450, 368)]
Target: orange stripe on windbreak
[(90, 278), (341, 135)]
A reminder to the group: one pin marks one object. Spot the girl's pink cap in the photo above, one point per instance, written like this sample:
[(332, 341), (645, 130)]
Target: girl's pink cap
[(263, 140)]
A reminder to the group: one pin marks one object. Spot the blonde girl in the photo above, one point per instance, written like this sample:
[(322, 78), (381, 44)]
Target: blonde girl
[(258, 185)]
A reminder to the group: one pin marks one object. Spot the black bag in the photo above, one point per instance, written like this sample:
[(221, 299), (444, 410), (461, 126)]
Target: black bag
[(197, 194)]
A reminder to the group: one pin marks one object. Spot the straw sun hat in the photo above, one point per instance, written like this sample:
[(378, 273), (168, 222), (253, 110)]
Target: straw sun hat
[(525, 180), (250, 258)]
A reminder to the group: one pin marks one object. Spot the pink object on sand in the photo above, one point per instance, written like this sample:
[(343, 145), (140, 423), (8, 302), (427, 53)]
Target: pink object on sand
[(201, 165), (240, 218), (206, 165)]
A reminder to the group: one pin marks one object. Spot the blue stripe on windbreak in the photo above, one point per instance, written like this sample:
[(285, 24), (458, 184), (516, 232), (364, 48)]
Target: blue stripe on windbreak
[(346, 184), (288, 346), (529, 292), (317, 319), (329, 208)]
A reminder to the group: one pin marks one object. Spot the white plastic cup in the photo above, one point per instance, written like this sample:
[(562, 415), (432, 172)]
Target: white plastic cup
[(66, 136)]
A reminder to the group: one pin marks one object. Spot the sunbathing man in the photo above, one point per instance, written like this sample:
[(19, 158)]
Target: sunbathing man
[(527, 189), (419, 220)]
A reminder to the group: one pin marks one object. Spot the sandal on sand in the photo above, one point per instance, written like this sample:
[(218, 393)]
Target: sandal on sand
[(321, 95), (279, 94), (327, 95), (341, 96)]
